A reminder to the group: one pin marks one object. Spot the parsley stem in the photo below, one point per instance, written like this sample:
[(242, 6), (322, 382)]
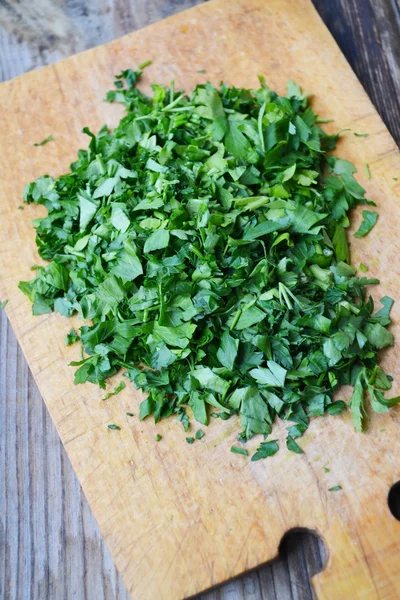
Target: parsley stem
[(197, 252), (173, 103), (236, 319), (260, 125)]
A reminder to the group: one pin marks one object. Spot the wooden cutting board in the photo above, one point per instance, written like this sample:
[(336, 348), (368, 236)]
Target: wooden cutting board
[(179, 519)]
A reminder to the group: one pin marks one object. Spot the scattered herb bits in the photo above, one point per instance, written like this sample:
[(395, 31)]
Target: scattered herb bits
[(114, 427), (45, 141), (203, 242), (71, 337), (265, 450), (118, 388), (293, 446), (369, 221), (238, 450), (335, 488)]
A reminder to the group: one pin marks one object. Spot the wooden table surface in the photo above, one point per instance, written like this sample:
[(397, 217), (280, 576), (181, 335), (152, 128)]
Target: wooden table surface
[(50, 545)]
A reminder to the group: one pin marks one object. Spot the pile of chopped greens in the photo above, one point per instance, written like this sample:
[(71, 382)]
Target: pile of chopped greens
[(204, 243)]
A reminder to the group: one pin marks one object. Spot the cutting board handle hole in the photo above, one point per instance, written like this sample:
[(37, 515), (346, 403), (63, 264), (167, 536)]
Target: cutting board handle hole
[(306, 546), (394, 500)]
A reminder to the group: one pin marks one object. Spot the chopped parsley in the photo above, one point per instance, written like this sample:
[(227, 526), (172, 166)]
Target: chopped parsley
[(114, 427), (237, 450), (71, 337), (335, 488), (118, 388), (293, 446), (265, 450), (203, 243), (45, 141), (369, 221)]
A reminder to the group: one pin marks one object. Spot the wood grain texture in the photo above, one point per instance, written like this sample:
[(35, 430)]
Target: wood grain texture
[(45, 58)]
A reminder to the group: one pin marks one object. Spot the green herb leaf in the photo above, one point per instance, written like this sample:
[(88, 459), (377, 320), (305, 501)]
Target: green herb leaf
[(369, 221), (118, 388), (237, 450), (265, 450), (71, 337), (293, 446)]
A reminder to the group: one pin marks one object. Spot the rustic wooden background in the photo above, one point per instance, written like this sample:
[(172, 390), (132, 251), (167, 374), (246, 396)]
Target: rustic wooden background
[(50, 545)]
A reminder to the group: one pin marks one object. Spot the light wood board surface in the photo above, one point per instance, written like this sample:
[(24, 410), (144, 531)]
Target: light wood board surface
[(180, 519)]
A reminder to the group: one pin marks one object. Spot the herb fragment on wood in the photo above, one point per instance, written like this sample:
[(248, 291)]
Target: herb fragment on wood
[(238, 450), (335, 488), (158, 437), (118, 388), (71, 337), (293, 446), (367, 171), (204, 243), (114, 427), (369, 221), (3, 303), (45, 141), (265, 450), (145, 64)]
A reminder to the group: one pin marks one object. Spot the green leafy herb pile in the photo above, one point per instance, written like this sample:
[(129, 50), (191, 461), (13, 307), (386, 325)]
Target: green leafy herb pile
[(204, 239)]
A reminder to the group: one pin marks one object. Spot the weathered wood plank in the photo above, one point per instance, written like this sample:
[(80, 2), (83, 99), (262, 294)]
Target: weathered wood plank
[(368, 33)]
